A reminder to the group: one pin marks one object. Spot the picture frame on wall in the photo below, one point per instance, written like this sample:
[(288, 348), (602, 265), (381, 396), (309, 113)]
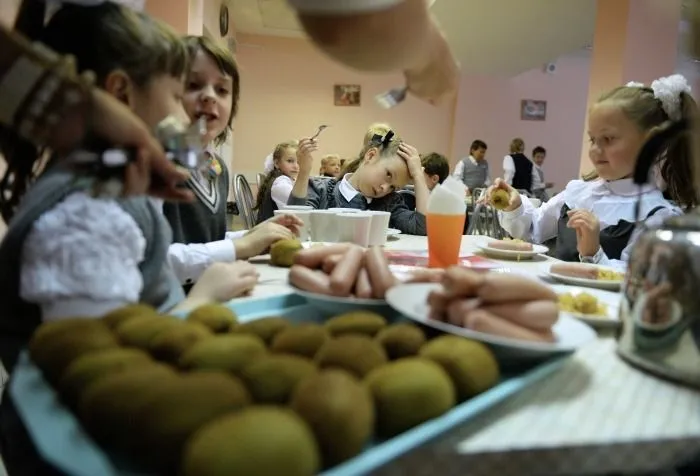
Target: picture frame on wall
[(347, 94), (533, 110)]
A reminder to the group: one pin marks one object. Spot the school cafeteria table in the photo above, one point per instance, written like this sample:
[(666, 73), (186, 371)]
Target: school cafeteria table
[(595, 415)]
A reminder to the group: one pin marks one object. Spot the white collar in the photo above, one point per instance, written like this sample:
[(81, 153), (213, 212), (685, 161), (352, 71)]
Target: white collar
[(473, 160), (347, 190), (623, 187)]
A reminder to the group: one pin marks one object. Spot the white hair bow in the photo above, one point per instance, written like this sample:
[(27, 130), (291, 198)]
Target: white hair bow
[(269, 164), (668, 90)]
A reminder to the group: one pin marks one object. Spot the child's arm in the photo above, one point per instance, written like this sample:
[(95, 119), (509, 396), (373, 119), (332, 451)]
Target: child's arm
[(81, 259), (529, 223), (408, 221), (301, 192)]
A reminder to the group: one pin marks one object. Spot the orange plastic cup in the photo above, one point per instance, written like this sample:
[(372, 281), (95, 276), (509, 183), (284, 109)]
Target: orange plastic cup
[(444, 239)]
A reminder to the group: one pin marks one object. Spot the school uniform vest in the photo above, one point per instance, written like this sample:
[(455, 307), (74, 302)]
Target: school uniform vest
[(474, 175), (522, 180), (18, 318), (613, 239), (204, 219)]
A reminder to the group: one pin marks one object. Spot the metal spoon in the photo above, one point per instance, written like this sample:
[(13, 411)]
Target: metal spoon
[(321, 128)]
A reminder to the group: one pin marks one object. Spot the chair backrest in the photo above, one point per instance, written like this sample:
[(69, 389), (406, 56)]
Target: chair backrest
[(409, 198), (484, 221), (259, 179), (244, 200)]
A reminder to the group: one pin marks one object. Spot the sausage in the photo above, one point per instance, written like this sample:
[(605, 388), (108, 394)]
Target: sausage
[(536, 315), (575, 270), (458, 309), (481, 320), (313, 257), (363, 288), (345, 272), (438, 301), (330, 262), (510, 245), (425, 275), (461, 282), (437, 316), (309, 279), (379, 273), (499, 288)]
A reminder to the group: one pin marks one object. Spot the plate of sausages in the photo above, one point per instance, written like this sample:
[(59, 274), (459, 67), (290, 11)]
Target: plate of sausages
[(342, 277), (587, 275), (512, 249), (514, 314)]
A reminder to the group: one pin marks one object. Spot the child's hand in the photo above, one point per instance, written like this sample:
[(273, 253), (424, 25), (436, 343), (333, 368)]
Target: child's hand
[(587, 229), (514, 201), (222, 282), (410, 155), (304, 151), (260, 238), (290, 221)]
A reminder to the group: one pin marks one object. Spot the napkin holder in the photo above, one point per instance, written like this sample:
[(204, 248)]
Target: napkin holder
[(660, 309)]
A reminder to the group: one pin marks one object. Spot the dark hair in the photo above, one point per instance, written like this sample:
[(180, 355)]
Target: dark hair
[(477, 144), (101, 38), (227, 65), (436, 164), (266, 184), (539, 150), (386, 145), (642, 107)]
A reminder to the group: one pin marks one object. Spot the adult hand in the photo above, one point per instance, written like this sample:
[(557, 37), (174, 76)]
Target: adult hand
[(514, 200), (437, 82), (587, 229), (288, 220), (260, 238), (304, 154)]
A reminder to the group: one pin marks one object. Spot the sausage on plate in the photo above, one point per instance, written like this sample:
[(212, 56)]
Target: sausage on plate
[(330, 262), (481, 320), (500, 287), (510, 245), (379, 273), (363, 288), (461, 282), (313, 257), (345, 272), (537, 315), (311, 280), (575, 270)]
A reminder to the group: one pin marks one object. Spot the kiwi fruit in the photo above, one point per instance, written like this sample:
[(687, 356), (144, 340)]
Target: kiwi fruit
[(340, 411), (283, 252), (217, 317), (470, 364), (114, 318), (139, 332), (169, 344), (357, 322), (273, 378), (260, 440), (91, 367), (408, 392), (266, 328), (355, 353), (48, 330), (107, 405), (401, 340), (56, 353), (229, 353), (500, 199), (168, 420), (304, 340)]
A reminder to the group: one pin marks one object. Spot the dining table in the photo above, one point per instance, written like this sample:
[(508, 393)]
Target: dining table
[(595, 414)]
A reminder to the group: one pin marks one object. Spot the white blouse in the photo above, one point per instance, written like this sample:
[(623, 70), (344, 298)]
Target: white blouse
[(81, 259), (281, 190), (609, 201)]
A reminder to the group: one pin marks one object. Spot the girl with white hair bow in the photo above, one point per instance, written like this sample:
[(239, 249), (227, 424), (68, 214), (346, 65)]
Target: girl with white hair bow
[(595, 221)]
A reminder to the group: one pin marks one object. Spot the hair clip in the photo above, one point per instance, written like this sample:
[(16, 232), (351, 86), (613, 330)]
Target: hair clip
[(376, 140), (387, 138)]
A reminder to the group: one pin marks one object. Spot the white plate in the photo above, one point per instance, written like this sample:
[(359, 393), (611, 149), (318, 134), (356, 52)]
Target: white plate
[(338, 305), (511, 254), (609, 299), (411, 301), (588, 283), (392, 232)]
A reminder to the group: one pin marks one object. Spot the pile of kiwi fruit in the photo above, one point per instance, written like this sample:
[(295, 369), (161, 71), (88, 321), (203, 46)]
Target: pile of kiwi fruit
[(209, 395)]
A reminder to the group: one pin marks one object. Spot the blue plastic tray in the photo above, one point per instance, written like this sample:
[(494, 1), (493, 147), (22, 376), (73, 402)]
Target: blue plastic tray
[(60, 439)]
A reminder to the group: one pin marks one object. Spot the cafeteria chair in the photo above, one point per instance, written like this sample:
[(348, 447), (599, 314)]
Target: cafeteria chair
[(244, 200)]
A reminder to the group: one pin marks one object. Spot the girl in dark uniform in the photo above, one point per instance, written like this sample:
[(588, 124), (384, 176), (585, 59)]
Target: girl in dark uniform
[(594, 221)]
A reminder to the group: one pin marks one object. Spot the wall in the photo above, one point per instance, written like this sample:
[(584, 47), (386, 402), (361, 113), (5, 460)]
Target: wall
[(287, 92), (488, 108)]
